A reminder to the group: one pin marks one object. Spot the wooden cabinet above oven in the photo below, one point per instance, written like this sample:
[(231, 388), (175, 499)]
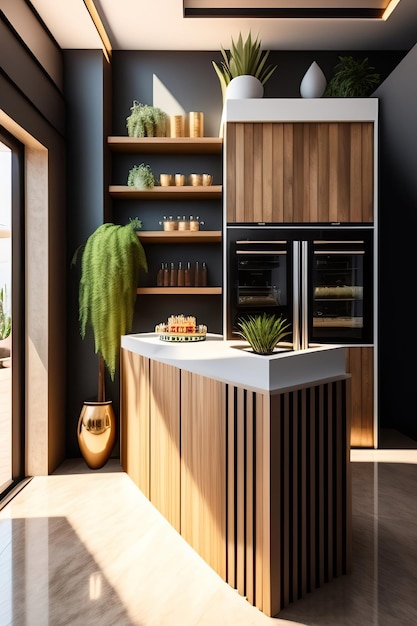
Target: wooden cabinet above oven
[(299, 172)]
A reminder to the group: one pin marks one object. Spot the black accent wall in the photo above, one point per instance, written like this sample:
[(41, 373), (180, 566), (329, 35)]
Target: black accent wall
[(397, 247)]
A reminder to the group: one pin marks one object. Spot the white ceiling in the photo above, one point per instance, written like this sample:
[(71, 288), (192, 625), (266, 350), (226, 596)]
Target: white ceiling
[(159, 25)]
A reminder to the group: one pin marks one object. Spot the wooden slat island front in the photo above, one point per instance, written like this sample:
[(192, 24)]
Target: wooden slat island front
[(246, 456)]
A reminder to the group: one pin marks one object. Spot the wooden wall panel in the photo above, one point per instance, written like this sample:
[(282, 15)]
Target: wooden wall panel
[(299, 172), (135, 418), (359, 363), (203, 468), (165, 441)]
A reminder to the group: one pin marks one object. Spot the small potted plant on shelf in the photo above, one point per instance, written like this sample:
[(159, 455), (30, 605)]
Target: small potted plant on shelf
[(263, 332), (146, 121), (245, 58), (352, 79), (141, 177), (110, 264)]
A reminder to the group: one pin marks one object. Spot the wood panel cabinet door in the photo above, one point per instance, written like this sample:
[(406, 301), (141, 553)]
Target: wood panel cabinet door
[(164, 451), (203, 468), (135, 418), (360, 364), (299, 172)]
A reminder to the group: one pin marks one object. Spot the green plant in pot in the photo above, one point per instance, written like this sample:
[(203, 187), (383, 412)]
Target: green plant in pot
[(352, 79), (245, 58), (263, 332), (141, 177), (146, 121), (110, 264)]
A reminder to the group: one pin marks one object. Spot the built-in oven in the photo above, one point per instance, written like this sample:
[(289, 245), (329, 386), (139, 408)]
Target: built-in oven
[(320, 279)]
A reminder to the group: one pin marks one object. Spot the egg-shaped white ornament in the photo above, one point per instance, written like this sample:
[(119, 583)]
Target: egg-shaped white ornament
[(314, 82)]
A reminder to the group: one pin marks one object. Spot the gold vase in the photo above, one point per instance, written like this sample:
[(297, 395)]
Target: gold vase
[(96, 432)]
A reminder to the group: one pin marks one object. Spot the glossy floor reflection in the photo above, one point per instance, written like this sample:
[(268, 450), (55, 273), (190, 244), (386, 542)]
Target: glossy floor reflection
[(85, 547)]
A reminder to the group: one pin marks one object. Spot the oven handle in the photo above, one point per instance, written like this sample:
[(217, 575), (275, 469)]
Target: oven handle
[(259, 252), (304, 295), (296, 297)]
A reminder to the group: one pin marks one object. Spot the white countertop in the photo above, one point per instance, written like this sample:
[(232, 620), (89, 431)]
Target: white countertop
[(233, 362)]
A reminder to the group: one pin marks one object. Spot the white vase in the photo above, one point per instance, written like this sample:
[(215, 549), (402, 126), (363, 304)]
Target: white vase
[(314, 82), (241, 88)]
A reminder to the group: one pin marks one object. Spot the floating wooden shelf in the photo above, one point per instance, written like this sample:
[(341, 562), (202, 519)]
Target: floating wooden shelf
[(192, 291), (124, 192), (167, 145), (180, 236)]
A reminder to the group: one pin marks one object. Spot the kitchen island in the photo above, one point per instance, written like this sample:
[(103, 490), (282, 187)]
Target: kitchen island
[(247, 456)]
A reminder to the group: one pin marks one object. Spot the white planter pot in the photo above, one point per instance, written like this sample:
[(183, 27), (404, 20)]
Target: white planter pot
[(314, 82), (243, 87)]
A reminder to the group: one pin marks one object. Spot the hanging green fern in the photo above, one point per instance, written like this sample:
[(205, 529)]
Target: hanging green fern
[(111, 261)]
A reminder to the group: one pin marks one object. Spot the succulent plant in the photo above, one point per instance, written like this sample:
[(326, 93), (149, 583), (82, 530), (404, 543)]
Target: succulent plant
[(263, 332), (243, 58)]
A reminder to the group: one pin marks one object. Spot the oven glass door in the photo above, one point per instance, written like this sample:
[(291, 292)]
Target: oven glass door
[(258, 279), (341, 292)]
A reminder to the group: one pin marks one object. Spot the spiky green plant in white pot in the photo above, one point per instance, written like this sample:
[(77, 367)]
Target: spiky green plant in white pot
[(263, 332), (245, 58)]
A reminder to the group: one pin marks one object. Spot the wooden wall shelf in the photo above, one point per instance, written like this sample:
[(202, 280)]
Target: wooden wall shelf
[(180, 236), (167, 145), (184, 291), (124, 192)]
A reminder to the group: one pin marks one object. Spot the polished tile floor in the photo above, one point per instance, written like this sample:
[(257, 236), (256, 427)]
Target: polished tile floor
[(85, 548)]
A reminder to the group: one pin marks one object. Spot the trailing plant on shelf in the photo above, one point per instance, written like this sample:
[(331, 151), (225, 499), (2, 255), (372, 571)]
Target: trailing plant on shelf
[(111, 261), (141, 177), (263, 332), (146, 121), (243, 58), (352, 79)]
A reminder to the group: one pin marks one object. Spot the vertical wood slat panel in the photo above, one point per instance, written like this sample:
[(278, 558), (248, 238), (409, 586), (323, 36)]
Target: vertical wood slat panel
[(277, 166), (285, 502), (321, 450), (231, 478), (249, 182), (240, 492), (367, 150), (305, 518), (312, 489), (230, 181), (165, 441), (203, 468), (323, 148), (356, 174), (313, 174), (239, 182), (340, 490), (288, 173), (261, 176), (261, 476), (250, 504), (329, 505), (135, 417), (295, 486)]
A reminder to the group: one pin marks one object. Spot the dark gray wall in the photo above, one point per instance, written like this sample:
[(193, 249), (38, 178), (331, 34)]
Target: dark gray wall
[(397, 245), (88, 98)]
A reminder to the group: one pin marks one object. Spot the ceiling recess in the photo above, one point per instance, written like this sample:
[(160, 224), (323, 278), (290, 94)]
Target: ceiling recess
[(287, 9)]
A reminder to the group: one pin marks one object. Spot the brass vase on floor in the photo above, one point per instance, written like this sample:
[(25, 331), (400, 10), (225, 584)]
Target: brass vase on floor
[(96, 432)]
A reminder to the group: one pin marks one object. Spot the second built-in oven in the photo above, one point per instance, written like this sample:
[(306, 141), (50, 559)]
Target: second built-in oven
[(319, 279)]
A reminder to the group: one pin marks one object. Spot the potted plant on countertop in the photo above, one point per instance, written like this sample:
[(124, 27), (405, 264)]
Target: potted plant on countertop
[(352, 79), (263, 332), (110, 263), (245, 58)]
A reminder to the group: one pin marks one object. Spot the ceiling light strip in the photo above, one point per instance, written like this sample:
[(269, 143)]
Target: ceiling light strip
[(285, 13), (107, 47)]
